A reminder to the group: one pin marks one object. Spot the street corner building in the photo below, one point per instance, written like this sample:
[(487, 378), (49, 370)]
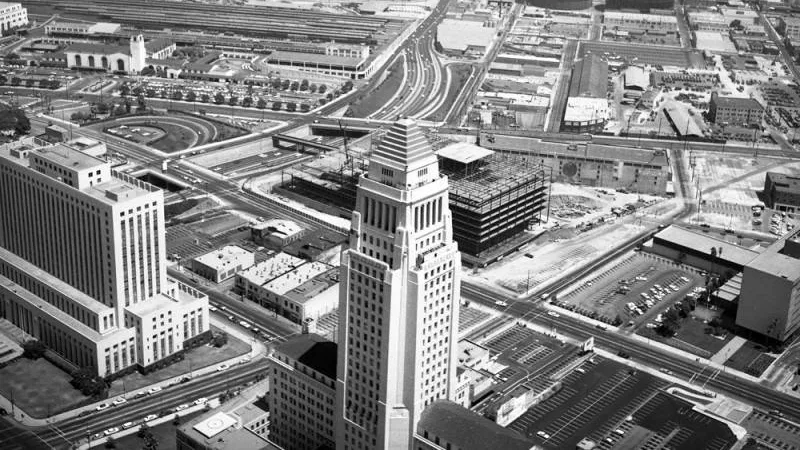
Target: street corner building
[(83, 264)]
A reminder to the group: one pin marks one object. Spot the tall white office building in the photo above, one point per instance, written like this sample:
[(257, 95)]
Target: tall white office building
[(83, 261), (399, 297)]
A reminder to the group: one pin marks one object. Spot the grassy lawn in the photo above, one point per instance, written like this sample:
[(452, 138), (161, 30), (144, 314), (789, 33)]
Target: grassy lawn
[(176, 138), (750, 359), (376, 98), (197, 358), (38, 387), (693, 332)]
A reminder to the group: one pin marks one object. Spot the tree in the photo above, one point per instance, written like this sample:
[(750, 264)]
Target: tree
[(305, 107), (285, 84), (247, 102), (191, 96), (291, 106), (219, 339), (304, 85), (33, 349), (111, 442), (124, 90), (312, 88), (261, 103), (276, 106), (164, 93), (150, 92), (233, 100), (15, 81), (294, 86), (219, 98), (322, 88), (144, 430), (121, 110), (276, 83), (177, 95), (177, 420), (3, 79), (55, 84), (347, 87), (205, 98)]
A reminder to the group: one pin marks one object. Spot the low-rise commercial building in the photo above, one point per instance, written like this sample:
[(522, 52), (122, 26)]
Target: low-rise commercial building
[(735, 111), (769, 302), (303, 392), (223, 264), (445, 425), (235, 425), (249, 282), (634, 21), (782, 192), (700, 250), (276, 232)]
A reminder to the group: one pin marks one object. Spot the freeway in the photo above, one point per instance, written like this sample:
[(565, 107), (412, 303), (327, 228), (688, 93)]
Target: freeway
[(73, 430)]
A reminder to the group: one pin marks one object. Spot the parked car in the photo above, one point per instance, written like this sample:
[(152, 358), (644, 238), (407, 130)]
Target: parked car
[(103, 406)]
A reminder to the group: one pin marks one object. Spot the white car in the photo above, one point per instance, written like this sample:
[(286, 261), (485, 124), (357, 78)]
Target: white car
[(119, 401), (127, 425), (201, 401), (542, 434), (154, 390), (102, 406), (111, 431), (553, 313), (181, 407), (501, 303), (150, 417), (222, 367)]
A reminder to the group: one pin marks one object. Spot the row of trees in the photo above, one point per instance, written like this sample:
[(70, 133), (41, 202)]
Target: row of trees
[(220, 99), (30, 82), (671, 320)]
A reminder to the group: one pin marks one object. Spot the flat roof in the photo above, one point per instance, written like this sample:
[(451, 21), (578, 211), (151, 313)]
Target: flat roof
[(735, 102), (778, 264), (314, 286), (533, 146), (701, 242), (280, 226), (784, 182), (295, 278), (464, 152), (678, 113), (66, 289), (69, 158), (463, 428), (318, 58), (230, 255), (589, 78), (269, 269), (311, 350), (461, 34), (581, 109), (636, 17)]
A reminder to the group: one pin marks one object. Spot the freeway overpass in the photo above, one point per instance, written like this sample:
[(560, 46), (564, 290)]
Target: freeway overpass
[(302, 145)]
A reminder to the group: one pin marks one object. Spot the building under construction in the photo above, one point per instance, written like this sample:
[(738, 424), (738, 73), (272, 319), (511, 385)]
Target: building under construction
[(493, 197)]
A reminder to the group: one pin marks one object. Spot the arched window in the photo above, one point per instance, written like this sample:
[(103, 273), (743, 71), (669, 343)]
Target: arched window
[(91, 61), (121, 65), (104, 62), (78, 61)]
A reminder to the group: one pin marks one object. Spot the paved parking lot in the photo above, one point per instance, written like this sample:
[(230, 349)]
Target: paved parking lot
[(773, 430), (632, 279), (589, 405)]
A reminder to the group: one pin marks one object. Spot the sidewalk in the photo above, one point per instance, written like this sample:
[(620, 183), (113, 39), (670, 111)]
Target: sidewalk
[(729, 349), (257, 348)]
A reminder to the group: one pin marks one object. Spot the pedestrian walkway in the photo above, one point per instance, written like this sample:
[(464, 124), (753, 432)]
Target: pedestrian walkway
[(730, 348)]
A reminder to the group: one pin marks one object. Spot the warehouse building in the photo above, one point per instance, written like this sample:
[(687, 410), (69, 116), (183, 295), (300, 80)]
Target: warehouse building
[(735, 111), (587, 106), (782, 192), (624, 168)]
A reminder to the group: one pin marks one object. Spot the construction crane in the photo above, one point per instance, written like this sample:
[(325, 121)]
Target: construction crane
[(348, 159)]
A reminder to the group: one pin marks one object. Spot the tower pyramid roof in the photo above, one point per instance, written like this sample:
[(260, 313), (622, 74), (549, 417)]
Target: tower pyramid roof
[(404, 146)]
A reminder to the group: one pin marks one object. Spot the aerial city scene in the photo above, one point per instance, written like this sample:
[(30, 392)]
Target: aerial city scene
[(400, 225)]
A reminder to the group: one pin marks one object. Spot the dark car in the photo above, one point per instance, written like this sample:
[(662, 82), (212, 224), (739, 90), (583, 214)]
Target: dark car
[(622, 354)]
